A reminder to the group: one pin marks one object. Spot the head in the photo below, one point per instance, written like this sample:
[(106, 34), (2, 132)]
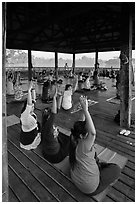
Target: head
[(80, 73), (79, 130), (68, 87), (51, 73), (60, 81), (86, 77), (25, 104)]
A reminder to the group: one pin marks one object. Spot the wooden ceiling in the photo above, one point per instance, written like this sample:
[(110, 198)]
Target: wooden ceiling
[(66, 27)]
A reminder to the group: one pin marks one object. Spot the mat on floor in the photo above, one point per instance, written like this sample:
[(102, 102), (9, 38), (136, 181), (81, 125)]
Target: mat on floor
[(12, 120), (41, 106), (104, 154), (78, 107), (11, 99), (114, 100)]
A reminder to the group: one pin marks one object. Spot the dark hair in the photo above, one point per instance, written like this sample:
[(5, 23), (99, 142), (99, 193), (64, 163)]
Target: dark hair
[(80, 73), (67, 86), (60, 81), (24, 105), (78, 129), (47, 83), (45, 115)]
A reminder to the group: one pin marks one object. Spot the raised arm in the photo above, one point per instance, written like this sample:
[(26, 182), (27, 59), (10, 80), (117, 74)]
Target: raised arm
[(29, 100), (89, 122), (54, 103), (76, 84)]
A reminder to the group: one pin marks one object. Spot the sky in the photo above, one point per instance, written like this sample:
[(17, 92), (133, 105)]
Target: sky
[(101, 55)]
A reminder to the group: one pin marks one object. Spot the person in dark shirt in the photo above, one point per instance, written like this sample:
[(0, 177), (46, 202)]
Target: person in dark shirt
[(55, 146)]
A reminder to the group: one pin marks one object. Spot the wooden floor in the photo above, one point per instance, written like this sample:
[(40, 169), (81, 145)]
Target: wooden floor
[(48, 184)]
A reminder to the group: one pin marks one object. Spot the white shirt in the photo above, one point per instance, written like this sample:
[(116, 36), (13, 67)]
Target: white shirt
[(87, 84), (10, 89), (29, 123), (67, 100)]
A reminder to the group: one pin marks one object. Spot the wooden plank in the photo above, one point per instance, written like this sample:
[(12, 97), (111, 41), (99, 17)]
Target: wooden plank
[(42, 177), (108, 199), (102, 195), (131, 165), (117, 196), (116, 147), (129, 172), (126, 190), (130, 149), (124, 139), (12, 196), (127, 180), (55, 175), (119, 139), (32, 183), (109, 128), (130, 162), (23, 193)]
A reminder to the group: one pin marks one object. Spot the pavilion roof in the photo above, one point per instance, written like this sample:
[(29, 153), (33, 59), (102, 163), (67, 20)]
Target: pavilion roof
[(66, 27)]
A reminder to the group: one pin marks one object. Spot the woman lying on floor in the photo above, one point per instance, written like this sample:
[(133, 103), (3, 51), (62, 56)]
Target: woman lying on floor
[(90, 176), (55, 146), (30, 136)]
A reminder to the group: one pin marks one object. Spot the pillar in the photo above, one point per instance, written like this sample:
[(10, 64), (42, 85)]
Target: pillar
[(29, 65), (73, 67), (126, 66), (4, 114), (56, 65), (96, 61)]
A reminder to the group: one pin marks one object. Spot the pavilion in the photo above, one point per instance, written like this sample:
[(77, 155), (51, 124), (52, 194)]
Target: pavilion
[(72, 28)]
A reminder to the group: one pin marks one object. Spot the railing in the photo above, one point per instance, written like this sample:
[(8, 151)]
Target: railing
[(48, 69)]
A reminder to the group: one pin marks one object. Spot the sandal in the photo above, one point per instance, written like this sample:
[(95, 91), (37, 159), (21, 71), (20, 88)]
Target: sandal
[(122, 132), (127, 133)]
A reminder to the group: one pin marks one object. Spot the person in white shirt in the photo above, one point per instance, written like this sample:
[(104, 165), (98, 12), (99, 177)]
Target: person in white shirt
[(67, 96), (10, 87), (30, 136), (86, 84)]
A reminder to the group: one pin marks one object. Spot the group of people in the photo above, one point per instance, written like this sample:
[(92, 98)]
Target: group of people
[(89, 174), (85, 82), (13, 84)]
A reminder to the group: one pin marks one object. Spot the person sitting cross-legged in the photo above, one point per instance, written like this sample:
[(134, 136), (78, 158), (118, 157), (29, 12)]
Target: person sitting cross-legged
[(30, 136), (87, 172), (67, 96), (55, 147)]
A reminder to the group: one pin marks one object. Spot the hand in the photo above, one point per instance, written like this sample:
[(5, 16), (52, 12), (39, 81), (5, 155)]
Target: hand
[(30, 85), (84, 102)]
